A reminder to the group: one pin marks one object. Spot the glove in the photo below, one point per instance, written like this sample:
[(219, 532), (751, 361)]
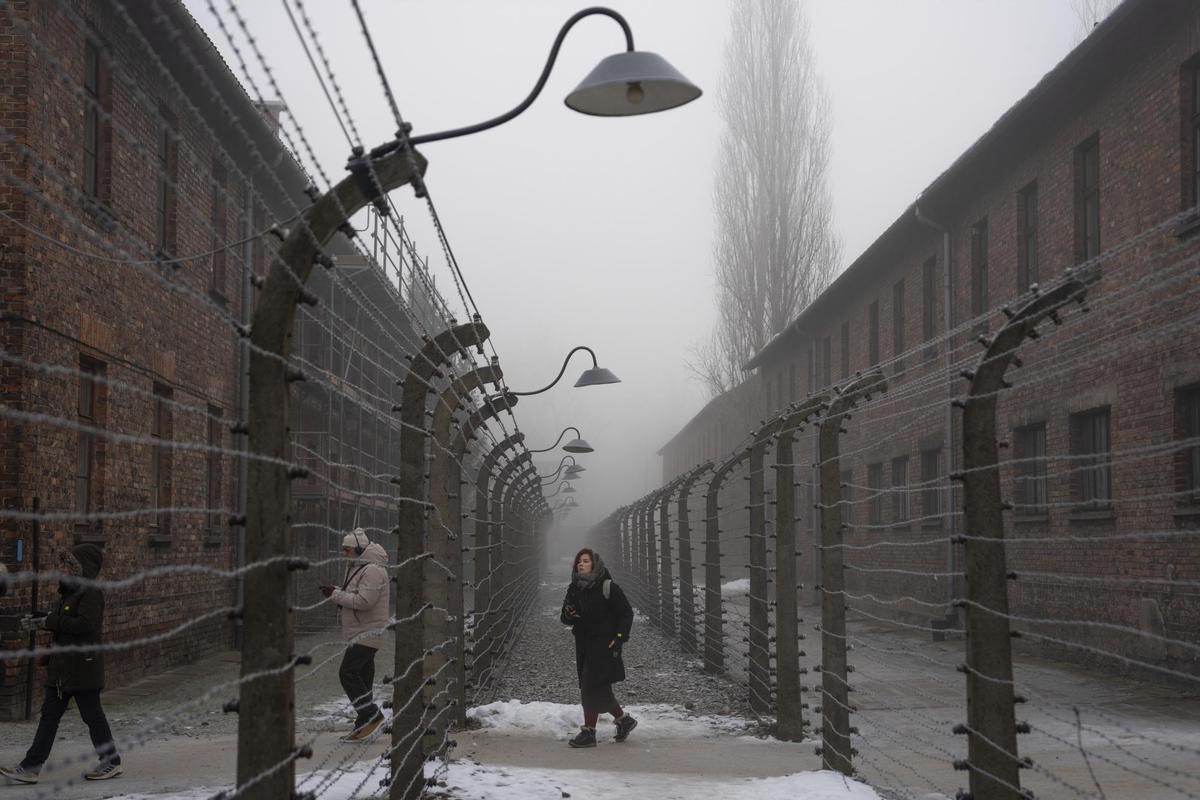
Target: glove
[(326, 589), (32, 623)]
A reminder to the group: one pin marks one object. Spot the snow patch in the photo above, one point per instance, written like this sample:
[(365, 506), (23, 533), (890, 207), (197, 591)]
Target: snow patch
[(737, 588), (558, 720), (464, 780)]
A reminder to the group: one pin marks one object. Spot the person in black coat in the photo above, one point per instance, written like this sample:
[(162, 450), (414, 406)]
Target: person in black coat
[(600, 618), (76, 621)]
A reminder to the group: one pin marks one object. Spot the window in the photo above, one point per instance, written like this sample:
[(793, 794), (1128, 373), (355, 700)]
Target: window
[(873, 334), (792, 388), (160, 460), (1187, 405), (779, 391), (898, 328), (1090, 439), (212, 471), (1027, 238), (1087, 200), (1029, 475), (1192, 116), (845, 350), (979, 268), (875, 484), (89, 413), (901, 511), (92, 133), (827, 362), (165, 178), (931, 493), (929, 306), (219, 216)]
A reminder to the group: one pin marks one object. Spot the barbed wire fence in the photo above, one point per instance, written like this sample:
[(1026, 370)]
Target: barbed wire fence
[(329, 333), (944, 555)]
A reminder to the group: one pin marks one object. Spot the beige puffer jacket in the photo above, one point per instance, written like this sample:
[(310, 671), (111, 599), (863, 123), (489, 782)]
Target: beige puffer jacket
[(364, 598)]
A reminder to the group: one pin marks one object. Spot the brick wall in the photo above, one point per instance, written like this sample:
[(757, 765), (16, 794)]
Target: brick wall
[(1131, 353)]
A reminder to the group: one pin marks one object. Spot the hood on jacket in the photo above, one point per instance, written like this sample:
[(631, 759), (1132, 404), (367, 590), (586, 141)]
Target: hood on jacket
[(598, 574), (373, 554), (90, 558)]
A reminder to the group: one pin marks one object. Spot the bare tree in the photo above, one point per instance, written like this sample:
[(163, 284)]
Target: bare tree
[(775, 247), (1091, 13)]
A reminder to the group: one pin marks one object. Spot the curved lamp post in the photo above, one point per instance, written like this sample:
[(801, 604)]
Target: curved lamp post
[(572, 472), (595, 376), (622, 85), (576, 445)]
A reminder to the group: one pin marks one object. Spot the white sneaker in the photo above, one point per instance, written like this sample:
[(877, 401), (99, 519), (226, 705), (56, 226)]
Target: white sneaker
[(104, 771)]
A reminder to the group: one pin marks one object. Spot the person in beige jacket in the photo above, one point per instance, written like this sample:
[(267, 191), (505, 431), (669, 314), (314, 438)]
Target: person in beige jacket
[(364, 609)]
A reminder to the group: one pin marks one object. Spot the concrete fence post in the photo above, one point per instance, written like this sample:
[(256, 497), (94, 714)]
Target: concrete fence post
[(714, 625), (789, 690), (991, 728), (758, 633), (413, 542), (266, 723), (687, 580), (666, 595), (835, 750), (443, 580)]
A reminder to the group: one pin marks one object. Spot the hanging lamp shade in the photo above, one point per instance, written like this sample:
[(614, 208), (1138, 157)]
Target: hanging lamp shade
[(596, 376), (574, 469), (569, 489), (578, 446), (631, 83)]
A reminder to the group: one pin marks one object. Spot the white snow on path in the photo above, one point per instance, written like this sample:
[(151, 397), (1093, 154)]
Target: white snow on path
[(737, 588), (465, 780), (554, 720)]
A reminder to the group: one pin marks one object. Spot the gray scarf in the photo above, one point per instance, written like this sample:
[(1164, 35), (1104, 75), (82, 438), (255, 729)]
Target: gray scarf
[(585, 581)]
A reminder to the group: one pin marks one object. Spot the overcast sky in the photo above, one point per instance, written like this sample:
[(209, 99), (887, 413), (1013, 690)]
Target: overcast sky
[(578, 230)]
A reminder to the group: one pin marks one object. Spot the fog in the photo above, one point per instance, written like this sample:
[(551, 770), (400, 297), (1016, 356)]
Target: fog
[(579, 230)]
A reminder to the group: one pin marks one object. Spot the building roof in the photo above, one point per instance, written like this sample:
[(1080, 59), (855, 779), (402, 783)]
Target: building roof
[(1076, 71)]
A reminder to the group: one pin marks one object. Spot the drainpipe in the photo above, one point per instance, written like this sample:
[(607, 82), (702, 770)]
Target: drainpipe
[(243, 415), (951, 450)]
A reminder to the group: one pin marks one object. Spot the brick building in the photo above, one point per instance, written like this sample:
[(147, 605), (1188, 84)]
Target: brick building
[(125, 140), (1099, 162)]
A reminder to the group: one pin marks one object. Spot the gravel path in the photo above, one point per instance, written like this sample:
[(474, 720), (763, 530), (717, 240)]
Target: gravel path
[(542, 666)]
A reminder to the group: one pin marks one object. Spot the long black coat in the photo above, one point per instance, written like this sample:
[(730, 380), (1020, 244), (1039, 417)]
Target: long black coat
[(596, 622), (78, 619)]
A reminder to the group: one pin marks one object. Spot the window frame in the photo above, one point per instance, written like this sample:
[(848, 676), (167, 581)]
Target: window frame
[(932, 511), (873, 334), (160, 460), (827, 361), (929, 307), (979, 271), (213, 489), (901, 502), (1087, 199), (1027, 237), (1031, 485), (845, 350), (1187, 426), (875, 487), (218, 272), (1092, 467), (166, 180), (898, 322)]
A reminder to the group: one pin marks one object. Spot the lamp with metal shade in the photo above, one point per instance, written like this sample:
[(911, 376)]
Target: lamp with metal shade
[(595, 376), (577, 445), (621, 85)]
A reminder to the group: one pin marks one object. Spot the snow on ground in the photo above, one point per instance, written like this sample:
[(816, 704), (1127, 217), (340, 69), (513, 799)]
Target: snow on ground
[(736, 588), (556, 719), (467, 780)]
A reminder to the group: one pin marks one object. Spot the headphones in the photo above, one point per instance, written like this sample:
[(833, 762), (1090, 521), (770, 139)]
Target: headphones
[(358, 548)]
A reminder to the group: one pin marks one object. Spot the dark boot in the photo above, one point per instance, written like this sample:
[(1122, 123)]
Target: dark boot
[(625, 726), (586, 738)]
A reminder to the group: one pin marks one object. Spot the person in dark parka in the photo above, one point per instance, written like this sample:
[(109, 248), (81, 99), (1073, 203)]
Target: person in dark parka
[(77, 620), (600, 618)]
